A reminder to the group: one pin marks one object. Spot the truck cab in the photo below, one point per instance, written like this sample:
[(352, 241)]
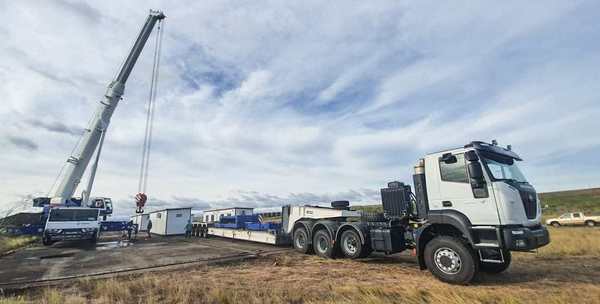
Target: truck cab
[(71, 223), (481, 188)]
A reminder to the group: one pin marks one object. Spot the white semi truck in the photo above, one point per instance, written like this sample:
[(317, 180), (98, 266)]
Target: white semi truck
[(470, 208)]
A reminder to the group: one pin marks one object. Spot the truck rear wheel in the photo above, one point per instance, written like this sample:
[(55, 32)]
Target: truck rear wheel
[(450, 260), (496, 267), (322, 244), (300, 239), (351, 245), (46, 241)]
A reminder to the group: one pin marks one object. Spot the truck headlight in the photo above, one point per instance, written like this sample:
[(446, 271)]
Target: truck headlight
[(517, 232), (520, 243)]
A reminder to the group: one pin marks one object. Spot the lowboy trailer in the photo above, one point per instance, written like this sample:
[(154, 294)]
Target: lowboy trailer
[(471, 207)]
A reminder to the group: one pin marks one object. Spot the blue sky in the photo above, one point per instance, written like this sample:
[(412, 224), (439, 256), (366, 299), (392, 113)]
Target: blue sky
[(277, 102)]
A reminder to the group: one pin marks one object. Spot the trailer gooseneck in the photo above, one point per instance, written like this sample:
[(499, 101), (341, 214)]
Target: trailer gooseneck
[(471, 207)]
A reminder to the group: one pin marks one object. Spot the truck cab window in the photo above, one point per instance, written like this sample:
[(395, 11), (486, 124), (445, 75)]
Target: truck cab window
[(455, 171)]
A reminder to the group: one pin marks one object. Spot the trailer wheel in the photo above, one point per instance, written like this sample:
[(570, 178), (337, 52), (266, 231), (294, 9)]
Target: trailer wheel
[(351, 246), (450, 260), (301, 240), (497, 267), (322, 244)]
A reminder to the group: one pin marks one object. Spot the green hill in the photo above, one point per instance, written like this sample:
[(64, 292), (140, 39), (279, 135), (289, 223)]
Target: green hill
[(585, 200)]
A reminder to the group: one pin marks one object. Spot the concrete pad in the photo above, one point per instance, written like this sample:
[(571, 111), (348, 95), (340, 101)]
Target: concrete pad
[(77, 259)]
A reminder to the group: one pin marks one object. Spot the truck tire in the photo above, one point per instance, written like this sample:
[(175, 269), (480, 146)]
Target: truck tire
[(46, 241), (300, 239), (351, 246), (94, 240), (555, 224), (322, 244), (451, 260), (590, 223), (497, 267)]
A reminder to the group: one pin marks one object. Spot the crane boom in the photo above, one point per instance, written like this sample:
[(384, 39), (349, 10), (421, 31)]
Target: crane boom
[(78, 161)]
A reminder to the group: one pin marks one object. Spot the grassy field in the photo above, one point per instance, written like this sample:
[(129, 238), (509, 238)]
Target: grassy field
[(566, 271), (8, 243)]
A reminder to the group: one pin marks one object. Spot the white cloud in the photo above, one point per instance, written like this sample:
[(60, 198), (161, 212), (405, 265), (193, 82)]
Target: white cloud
[(285, 100)]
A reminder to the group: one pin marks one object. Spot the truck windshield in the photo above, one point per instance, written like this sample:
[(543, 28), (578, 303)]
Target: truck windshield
[(503, 168), (73, 215)]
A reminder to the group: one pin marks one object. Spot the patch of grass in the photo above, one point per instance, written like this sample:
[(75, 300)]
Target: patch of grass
[(8, 243), (571, 241)]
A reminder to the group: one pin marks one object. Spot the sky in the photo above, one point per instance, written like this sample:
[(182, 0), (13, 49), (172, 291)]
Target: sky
[(265, 103)]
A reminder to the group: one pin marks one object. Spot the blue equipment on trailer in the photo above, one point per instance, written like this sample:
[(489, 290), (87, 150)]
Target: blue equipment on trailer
[(263, 226), (113, 226), (236, 221)]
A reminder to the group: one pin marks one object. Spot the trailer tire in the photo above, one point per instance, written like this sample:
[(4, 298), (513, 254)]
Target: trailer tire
[(300, 239), (451, 260), (497, 267), (322, 244)]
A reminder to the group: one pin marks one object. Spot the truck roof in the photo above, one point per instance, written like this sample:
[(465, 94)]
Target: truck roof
[(482, 146)]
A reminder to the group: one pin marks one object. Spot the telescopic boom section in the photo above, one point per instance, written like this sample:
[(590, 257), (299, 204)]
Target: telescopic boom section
[(83, 152)]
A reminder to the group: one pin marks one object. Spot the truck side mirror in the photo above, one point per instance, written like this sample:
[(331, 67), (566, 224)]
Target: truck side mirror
[(448, 158), (471, 156), (475, 170), (477, 179)]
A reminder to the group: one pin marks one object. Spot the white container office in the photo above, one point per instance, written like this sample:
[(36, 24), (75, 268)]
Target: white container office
[(170, 221), (141, 220)]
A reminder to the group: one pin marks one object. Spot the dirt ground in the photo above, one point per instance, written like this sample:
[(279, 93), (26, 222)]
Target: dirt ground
[(550, 276)]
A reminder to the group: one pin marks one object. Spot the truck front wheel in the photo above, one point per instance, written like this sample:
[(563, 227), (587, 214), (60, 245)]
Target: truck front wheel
[(450, 260), (590, 223), (496, 267), (300, 239)]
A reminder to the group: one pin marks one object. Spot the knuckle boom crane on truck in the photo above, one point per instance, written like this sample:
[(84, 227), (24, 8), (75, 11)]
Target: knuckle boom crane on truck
[(58, 226)]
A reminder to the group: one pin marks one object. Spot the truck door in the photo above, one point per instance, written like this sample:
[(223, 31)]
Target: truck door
[(455, 192)]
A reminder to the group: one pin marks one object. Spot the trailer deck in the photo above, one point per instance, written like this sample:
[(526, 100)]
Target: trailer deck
[(265, 237)]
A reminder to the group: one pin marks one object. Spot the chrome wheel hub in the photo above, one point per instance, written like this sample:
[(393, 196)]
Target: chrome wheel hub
[(350, 245), (447, 260)]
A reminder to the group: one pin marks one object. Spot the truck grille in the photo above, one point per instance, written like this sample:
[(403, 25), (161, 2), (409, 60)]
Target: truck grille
[(529, 203)]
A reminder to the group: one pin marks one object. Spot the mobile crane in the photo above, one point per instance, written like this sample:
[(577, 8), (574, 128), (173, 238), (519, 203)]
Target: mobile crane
[(471, 207), (71, 218)]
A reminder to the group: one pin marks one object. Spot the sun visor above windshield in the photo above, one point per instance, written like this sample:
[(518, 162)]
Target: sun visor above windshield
[(483, 146)]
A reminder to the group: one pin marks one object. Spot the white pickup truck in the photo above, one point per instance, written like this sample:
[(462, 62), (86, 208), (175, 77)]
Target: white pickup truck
[(574, 219), (71, 223)]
